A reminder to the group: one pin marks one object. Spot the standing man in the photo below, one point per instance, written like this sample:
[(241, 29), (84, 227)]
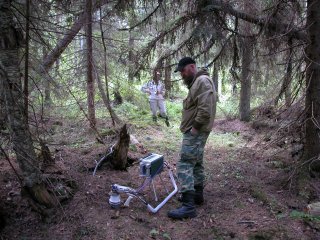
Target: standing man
[(197, 120), (156, 89)]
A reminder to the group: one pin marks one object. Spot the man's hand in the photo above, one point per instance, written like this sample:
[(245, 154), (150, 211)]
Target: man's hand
[(194, 131)]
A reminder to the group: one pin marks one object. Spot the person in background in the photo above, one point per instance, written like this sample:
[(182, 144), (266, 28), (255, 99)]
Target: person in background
[(198, 115), (156, 90)]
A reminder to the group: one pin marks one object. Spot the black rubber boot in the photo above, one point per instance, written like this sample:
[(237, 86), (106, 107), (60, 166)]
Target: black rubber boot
[(154, 118), (187, 209), (198, 195)]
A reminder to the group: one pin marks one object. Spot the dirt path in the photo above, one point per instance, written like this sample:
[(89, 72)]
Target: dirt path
[(245, 197)]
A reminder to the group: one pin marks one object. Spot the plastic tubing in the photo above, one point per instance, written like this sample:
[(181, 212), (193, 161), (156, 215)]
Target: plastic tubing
[(156, 209)]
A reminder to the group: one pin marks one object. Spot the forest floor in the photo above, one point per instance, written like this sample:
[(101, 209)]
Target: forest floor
[(247, 192)]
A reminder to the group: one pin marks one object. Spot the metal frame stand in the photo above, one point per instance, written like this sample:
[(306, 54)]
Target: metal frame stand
[(115, 201)]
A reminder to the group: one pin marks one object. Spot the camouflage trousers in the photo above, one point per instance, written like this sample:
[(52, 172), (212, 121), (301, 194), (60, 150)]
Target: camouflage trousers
[(190, 166)]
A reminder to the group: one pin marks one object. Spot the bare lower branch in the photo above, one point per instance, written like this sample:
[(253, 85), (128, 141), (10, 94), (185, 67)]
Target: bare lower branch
[(271, 23), (143, 21)]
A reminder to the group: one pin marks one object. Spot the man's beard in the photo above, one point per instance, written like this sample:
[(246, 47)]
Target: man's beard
[(188, 80)]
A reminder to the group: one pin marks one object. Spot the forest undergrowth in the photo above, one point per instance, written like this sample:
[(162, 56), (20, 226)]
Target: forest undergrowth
[(248, 192)]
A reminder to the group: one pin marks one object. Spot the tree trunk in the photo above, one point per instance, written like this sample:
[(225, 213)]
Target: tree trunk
[(286, 84), (312, 144), (47, 87), (246, 65), (158, 68), (105, 94), (90, 80), (167, 77), (223, 82), (255, 77), (131, 57), (215, 78), (11, 39), (267, 75), (3, 114), (234, 67), (104, 57), (106, 101), (26, 66), (288, 78), (68, 37), (47, 94), (245, 91)]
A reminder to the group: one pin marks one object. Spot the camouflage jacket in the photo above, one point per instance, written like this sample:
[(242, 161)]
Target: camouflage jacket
[(199, 107)]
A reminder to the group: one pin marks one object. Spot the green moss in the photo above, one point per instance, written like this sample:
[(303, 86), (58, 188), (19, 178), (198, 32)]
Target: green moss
[(226, 140), (260, 236)]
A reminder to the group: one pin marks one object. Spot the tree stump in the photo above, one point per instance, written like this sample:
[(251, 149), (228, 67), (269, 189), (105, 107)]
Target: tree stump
[(117, 98), (119, 156), (45, 155)]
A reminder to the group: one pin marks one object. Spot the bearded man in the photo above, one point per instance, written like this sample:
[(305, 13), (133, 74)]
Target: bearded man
[(197, 121)]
